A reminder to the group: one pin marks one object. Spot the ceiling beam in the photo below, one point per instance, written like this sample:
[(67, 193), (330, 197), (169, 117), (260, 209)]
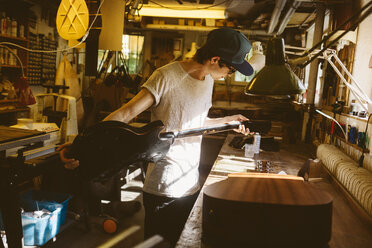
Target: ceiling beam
[(201, 29), (279, 5), (288, 16)]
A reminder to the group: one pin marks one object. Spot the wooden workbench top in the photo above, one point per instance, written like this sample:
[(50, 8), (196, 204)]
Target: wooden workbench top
[(348, 230), (14, 137)]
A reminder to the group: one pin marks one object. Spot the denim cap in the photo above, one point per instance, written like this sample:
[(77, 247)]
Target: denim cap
[(232, 46)]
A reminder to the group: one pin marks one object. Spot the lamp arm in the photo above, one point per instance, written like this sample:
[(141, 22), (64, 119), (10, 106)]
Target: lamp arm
[(328, 54), (357, 91), (352, 89), (366, 98), (304, 56)]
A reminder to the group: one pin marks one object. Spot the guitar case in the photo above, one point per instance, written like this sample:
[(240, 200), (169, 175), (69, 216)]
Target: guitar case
[(109, 146)]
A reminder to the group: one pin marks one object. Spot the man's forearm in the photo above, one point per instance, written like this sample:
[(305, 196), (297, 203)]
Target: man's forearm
[(118, 115), (214, 121), (223, 120)]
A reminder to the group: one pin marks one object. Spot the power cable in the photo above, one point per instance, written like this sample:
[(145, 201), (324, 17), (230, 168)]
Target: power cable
[(85, 36), (364, 139)]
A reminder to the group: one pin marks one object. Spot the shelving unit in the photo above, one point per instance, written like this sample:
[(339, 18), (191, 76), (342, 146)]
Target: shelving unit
[(352, 145), (48, 60), (34, 60), (41, 66), (13, 37), (9, 61), (10, 68)]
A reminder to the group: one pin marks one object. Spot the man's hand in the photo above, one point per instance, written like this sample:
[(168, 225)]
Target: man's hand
[(70, 163), (234, 118)]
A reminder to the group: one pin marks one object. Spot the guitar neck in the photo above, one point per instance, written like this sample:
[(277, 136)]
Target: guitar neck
[(254, 126)]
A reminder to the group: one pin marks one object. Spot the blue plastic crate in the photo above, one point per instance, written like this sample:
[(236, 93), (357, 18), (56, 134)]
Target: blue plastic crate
[(38, 231), (51, 197)]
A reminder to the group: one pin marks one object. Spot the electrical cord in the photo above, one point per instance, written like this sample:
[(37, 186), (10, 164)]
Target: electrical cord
[(85, 36), (18, 59), (333, 119), (361, 159)]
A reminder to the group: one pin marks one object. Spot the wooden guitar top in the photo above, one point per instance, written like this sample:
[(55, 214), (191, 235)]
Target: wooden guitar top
[(276, 190)]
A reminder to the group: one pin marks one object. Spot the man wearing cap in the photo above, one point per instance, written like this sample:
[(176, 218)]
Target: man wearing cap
[(180, 95)]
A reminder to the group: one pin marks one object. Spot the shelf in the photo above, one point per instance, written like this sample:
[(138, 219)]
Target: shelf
[(353, 145), (13, 37), (11, 66), (9, 101), (14, 110)]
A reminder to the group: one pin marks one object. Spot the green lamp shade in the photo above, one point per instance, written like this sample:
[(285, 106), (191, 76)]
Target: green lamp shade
[(276, 78)]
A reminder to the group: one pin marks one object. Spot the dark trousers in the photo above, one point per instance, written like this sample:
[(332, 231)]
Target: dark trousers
[(166, 216)]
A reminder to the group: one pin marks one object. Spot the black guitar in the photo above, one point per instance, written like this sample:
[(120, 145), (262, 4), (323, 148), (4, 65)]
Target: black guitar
[(111, 145)]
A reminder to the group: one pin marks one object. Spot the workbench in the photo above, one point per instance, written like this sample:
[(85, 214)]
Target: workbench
[(11, 174), (348, 230)]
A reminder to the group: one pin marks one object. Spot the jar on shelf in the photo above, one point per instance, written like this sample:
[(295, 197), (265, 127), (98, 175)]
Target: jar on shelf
[(1, 55), (3, 23), (8, 26), (6, 56), (14, 28), (21, 30)]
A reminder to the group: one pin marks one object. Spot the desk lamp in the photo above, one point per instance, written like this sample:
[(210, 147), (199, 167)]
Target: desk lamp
[(276, 78)]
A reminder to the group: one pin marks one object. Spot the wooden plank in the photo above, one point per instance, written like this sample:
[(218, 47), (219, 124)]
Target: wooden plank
[(15, 137), (8, 134)]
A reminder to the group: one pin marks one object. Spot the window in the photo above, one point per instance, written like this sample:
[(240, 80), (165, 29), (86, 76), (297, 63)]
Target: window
[(133, 52), (238, 77)]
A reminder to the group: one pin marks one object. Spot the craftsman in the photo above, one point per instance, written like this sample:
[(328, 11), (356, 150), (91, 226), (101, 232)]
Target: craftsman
[(179, 94)]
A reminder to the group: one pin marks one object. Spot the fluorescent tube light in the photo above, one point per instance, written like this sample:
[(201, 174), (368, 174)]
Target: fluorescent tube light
[(197, 13)]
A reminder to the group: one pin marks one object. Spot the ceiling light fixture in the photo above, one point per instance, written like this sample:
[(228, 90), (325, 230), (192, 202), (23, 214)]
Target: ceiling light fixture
[(178, 13), (257, 60)]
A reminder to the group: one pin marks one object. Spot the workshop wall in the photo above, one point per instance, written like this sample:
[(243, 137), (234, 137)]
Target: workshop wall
[(362, 72)]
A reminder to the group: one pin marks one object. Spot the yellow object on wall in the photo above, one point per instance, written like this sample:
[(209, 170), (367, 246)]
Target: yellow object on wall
[(72, 19), (75, 44)]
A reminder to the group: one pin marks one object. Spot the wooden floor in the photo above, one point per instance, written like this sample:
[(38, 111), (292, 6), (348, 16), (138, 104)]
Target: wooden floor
[(348, 230)]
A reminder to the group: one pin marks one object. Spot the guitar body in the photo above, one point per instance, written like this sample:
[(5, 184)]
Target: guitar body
[(110, 146), (268, 211)]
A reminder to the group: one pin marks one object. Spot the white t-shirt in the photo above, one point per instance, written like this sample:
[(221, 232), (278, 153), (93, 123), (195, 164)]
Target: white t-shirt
[(181, 102)]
